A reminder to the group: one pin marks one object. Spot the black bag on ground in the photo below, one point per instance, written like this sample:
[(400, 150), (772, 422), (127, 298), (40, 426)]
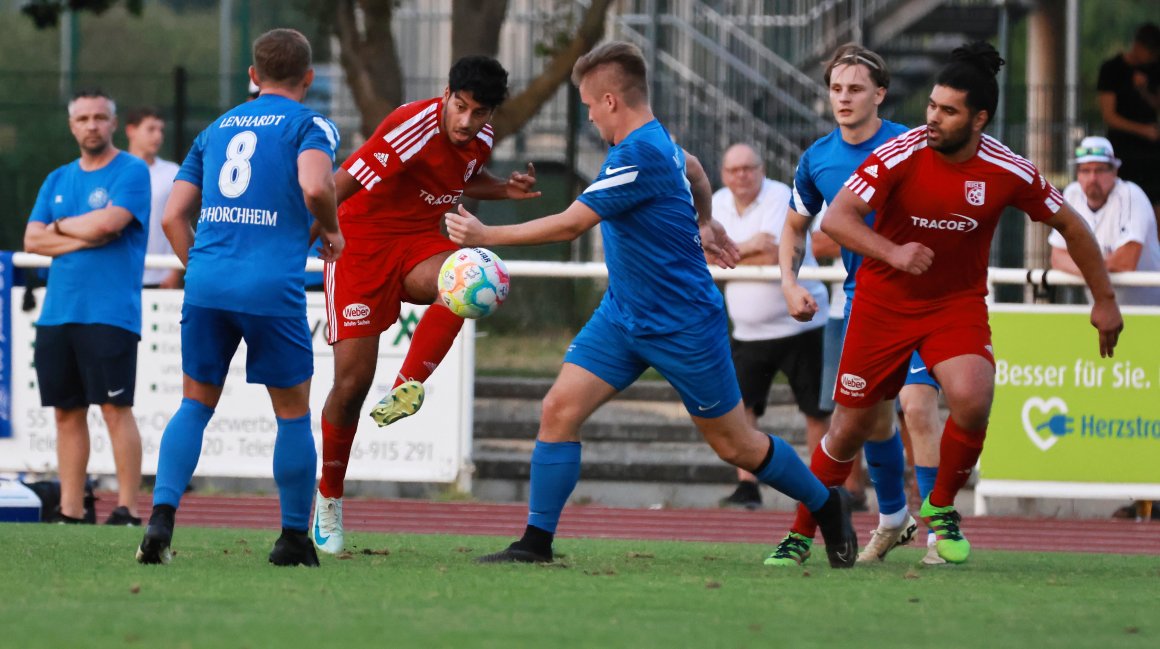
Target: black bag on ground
[(49, 493)]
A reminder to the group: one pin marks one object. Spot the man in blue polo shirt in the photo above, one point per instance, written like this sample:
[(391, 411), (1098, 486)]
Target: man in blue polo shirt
[(92, 217)]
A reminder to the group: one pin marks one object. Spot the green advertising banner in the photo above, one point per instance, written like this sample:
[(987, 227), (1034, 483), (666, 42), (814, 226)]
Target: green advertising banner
[(1062, 413)]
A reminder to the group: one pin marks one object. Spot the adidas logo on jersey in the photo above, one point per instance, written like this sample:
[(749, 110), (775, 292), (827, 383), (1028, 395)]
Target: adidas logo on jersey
[(871, 171), (362, 172), (382, 157)]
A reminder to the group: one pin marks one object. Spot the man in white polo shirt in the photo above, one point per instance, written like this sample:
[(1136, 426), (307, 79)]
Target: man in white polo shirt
[(765, 339), (1118, 213), (145, 130)]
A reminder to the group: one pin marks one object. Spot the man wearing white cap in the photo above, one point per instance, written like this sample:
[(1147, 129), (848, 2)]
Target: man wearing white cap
[(1118, 213)]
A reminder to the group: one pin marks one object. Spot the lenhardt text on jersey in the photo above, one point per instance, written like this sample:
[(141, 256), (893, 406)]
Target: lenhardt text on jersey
[(240, 215), (251, 121)]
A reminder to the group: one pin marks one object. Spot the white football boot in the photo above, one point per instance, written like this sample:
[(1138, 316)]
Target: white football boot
[(326, 529)]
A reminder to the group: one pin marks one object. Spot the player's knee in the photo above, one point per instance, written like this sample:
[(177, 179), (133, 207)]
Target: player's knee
[(921, 418), (350, 390), (560, 416), (733, 454), (973, 415)]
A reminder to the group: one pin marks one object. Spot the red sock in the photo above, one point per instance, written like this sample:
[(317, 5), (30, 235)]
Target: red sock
[(336, 443), (958, 453), (434, 335), (832, 473)]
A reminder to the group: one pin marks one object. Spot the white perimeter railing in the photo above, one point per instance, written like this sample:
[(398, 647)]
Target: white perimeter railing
[(518, 268)]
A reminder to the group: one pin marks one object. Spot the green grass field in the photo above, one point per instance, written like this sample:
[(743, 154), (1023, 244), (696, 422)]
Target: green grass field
[(79, 587)]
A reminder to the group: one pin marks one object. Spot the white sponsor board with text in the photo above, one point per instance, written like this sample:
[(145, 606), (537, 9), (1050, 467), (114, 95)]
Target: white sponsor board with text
[(431, 446)]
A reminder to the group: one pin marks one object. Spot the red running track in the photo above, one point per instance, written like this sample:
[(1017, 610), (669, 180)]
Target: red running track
[(714, 525)]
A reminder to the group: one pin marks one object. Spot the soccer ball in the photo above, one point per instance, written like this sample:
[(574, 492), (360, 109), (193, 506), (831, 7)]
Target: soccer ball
[(473, 282)]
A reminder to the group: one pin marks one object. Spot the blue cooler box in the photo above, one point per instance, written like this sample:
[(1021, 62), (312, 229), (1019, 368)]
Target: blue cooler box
[(18, 504)]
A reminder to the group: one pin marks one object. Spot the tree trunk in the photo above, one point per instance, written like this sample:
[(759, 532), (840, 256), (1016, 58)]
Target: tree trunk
[(369, 59), (375, 78), (514, 113), (475, 27)]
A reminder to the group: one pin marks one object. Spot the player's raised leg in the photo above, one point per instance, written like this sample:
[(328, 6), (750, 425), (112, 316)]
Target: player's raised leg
[(433, 337), (969, 384), (574, 396)]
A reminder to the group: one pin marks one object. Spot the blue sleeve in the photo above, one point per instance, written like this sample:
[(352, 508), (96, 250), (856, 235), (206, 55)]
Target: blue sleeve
[(191, 168), (131, 191), (42, 209), (623, 182), (319, 133), (807, 199)]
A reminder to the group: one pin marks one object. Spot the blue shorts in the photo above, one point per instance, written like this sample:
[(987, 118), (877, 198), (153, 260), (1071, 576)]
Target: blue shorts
[(831, 354), (697, 361), (279, 353)]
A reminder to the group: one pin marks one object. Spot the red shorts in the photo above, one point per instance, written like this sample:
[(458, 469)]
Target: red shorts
[(880, 340), (364, 288)]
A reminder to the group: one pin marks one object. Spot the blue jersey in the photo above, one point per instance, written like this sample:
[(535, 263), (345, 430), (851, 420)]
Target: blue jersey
[(249, 253), (822, 170), (97, 285), (658, 281)]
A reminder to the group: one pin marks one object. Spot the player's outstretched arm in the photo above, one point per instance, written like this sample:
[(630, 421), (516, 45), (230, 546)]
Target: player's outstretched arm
[(845, 222), (177, 221), (517, 186), (1085, 252), (318, 191), (466, 230), (791, 254)]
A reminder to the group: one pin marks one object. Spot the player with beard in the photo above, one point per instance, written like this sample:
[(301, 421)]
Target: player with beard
[(857, 79), (939, 191)]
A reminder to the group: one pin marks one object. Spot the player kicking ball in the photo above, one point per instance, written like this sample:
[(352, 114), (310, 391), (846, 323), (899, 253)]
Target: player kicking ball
[(392, 193), (653, 204), (939, 191)]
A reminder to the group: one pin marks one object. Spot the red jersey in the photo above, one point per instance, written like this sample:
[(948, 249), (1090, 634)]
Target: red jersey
[(953, 209), (410, 172)]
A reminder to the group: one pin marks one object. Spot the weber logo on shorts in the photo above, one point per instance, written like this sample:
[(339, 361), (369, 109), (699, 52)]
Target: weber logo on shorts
[(853, 385), (356, 314)]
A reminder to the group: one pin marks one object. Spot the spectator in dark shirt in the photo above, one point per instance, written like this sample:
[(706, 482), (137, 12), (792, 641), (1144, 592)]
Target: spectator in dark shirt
[(1129, 97)]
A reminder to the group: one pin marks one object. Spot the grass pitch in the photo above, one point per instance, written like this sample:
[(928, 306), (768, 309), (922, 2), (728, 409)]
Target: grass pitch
[(80, 587)]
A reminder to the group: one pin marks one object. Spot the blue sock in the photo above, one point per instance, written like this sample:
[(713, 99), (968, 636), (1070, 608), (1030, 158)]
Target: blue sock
[(180, 450), (555, 472), (786, 472), (925, 477), (295, 466), (886, 463)]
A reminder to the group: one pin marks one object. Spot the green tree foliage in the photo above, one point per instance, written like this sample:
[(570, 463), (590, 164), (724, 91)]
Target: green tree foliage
[(46, 13)]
